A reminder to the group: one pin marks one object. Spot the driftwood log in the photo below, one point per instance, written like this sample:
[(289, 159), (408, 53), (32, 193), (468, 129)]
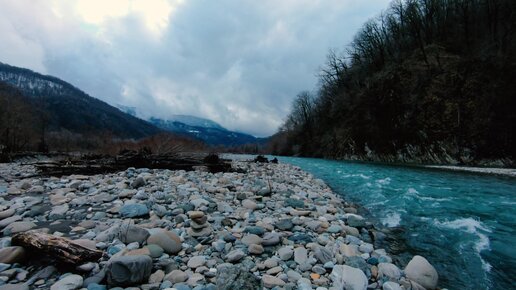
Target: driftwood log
[(61, 249), (96, 164)]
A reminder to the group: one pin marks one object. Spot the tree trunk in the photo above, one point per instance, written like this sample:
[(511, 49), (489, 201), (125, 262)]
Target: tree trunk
[(62, 249)]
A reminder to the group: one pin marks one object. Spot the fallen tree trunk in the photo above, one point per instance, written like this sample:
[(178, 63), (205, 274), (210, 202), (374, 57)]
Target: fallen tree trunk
[(61, 249), (106, 164)]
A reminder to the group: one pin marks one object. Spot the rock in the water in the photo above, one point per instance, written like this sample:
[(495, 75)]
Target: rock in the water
[(11, 255), (168, 240), (70, 282), (129, 270), (134, 210), (422, 272), (232, 277), (349, 278)]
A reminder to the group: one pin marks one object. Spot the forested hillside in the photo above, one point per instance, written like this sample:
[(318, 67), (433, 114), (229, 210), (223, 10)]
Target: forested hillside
[(428, 81), (69, 108)]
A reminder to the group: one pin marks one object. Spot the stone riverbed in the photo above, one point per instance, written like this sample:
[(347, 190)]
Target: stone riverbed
[(265, 226)]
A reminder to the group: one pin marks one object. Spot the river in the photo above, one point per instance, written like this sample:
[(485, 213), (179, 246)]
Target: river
[(464, 224)]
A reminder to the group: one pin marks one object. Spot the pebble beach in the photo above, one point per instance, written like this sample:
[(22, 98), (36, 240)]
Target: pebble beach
[(262, 226)]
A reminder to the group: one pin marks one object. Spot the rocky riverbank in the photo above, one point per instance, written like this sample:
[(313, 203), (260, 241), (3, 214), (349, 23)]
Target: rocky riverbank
[(267, 226)]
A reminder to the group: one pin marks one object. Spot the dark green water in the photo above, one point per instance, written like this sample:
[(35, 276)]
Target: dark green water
[(464, 224)]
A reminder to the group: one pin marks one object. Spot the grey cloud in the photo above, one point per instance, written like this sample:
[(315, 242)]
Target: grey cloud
[(239, 63)]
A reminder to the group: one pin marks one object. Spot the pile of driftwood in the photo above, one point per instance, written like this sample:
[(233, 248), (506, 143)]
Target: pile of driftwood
[(100, 164)]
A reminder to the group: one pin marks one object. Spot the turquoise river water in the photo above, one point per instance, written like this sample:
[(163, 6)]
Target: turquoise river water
[(464, 224)]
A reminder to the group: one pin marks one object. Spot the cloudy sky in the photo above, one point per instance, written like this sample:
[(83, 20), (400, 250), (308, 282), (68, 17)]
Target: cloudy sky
[(237, 62)]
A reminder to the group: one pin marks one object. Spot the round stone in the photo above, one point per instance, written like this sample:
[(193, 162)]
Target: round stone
[(252, 239), (249, 204), (176, 276), (11, 255), (422, 272), (196, 262), (195, 214), (235, 256), (70, 282), (169, 241), (255, 249)]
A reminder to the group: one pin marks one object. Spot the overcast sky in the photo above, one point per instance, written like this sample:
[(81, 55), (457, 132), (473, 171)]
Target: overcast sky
[(237, 62)]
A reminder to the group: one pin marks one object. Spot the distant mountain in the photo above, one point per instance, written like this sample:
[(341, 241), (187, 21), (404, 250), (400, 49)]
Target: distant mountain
[(196, 121), (67, 107), (206, 130), (212, 133)]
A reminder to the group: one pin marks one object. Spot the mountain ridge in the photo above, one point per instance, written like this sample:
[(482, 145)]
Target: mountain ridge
[(72, 109)]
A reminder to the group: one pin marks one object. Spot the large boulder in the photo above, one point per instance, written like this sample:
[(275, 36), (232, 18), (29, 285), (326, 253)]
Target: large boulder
[(129, 270), (345, 277), (231, 277), (422, 272)]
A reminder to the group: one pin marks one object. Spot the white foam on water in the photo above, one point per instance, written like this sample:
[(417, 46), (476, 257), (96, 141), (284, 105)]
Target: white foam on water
[(384, 181), (361, 175), (392, 219), (377, 203), (434, 198), (472, 226), (412, 192)]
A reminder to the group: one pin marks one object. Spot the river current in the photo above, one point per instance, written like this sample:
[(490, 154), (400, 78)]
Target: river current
[(464, 224)]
